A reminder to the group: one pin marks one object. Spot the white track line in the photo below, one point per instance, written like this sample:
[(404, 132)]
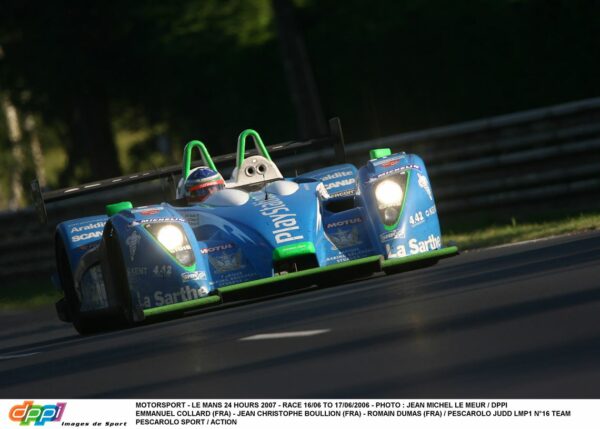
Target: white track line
[(521, 243), (279, 335), (6, 357)]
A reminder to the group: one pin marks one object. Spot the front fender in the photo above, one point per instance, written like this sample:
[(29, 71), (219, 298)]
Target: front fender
[(155, 277)]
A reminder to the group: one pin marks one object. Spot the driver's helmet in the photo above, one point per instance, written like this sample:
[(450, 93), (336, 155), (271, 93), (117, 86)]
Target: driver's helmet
[(201, 183)]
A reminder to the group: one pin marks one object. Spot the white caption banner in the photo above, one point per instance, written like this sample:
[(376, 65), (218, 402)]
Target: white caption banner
[(272, 414)]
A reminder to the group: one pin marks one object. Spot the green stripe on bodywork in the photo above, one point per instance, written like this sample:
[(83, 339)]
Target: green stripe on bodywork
[(439, 253), (298, 274), (292, 250), (182, 306)]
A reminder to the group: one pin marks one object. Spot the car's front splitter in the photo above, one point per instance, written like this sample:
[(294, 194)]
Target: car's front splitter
[(419, 260), (322, 276)]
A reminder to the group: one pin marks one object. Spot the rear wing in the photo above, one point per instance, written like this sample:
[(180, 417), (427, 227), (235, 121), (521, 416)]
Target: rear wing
[(41, 199)]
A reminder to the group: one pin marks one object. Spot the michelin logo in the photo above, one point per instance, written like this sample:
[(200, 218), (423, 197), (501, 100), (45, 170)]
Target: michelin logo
[(396, 170)]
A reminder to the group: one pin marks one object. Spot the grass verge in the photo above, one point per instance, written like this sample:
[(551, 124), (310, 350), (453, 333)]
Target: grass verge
[(514, 231), (26, 294)]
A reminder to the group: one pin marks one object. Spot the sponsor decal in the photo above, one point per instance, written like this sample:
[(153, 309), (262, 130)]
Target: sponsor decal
[(322, 192), (137, 271), (338, 258), (424, 184), (336, 175), (346, 193), (394, 159), (193, 219), (183, 248), (207, 250), (27, 413), (431, 211), (87, 231), (433, 242), (156, 220), (147, 211), (345, 237), (92, 289), (393, 235), (86, 247), (162, 219), (132, 242), (150, 212), (344, 222), (233, 277), (88, 227), (194, 275), (226, 262), (283, 220), (416, 219), (163, 271), (390, 163), (86, 236), (415, 246), (340, 183), (396, 170), (185, 293)]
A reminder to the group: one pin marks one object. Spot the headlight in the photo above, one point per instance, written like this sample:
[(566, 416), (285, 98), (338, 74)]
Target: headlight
[(171, 237), (390, 215), (174, 240), (389, 194)]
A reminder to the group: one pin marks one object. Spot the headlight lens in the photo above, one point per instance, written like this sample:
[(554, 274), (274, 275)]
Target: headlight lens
[(389, 194), (390, 215), (171, 237)]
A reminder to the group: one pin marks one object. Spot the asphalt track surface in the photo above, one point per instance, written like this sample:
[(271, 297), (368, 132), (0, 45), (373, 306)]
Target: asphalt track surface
[(511, 322)]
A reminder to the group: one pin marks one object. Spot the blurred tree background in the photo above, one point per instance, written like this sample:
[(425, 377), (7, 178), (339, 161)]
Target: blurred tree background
[(98, 88)]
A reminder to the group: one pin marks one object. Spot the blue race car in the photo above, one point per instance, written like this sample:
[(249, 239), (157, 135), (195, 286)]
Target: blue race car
[(261, 234)]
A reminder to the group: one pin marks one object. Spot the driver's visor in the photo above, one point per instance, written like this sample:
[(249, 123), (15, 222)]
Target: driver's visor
[(206, 185)]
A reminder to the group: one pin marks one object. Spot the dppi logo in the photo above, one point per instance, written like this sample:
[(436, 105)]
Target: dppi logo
[(27, 413)]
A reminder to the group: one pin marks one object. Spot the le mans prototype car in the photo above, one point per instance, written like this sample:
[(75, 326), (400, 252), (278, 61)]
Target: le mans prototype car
[(261, 234)]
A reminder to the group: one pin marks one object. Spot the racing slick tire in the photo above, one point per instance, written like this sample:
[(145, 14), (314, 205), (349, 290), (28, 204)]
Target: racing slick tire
[(91, 322)]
